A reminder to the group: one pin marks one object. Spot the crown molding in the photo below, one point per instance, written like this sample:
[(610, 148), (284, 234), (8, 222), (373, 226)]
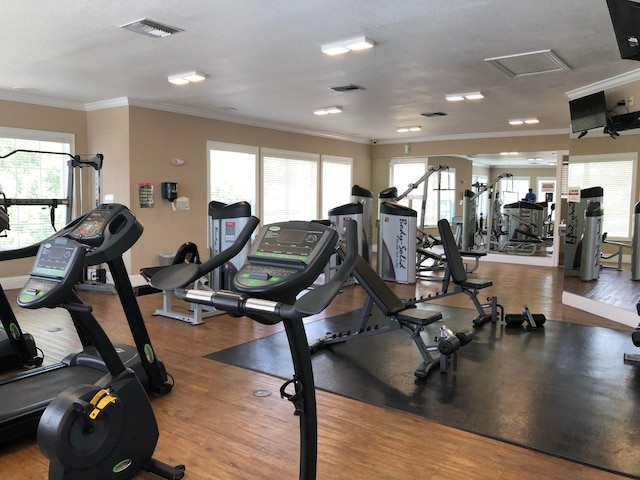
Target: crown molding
[(617, 81), (38, 100)]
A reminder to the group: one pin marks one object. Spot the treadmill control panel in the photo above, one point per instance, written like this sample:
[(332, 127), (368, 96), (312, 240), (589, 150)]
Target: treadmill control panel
[(91, 229), (56, 270), (285, 259)]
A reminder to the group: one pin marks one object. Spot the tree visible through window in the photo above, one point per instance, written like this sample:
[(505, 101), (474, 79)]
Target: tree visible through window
[(33, 176)]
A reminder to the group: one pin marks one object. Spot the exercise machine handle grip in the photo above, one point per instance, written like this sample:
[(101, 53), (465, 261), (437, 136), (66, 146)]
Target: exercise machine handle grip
[(182, 274)]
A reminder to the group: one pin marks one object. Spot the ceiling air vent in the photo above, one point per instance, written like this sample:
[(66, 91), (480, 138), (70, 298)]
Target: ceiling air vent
[(346, 88), (150, 28), (434, 114)]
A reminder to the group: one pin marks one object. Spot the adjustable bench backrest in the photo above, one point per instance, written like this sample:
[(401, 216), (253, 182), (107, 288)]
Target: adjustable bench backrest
[(386, 300), (452, 254)]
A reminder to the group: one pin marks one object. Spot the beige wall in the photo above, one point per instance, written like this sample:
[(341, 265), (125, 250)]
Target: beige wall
[(138, 144), (156, 137)]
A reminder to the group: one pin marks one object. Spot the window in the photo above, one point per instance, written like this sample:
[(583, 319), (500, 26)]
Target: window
[(289, 183), (513, 189), (440, 189), (289, 186), (336, 182), (29, 176), (232, 173), (615, 174)]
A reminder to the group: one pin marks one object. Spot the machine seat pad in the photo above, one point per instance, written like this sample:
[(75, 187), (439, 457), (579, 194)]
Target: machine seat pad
[(429, 254), (473, 254), (476, 283), (148, 272), (418, 316)]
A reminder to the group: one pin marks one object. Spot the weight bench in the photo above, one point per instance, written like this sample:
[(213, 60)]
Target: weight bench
[(187, 253), (456, 271), (621, 246), (401, 316)]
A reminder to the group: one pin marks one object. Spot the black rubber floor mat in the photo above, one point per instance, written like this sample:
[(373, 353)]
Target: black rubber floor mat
[(563, 389)]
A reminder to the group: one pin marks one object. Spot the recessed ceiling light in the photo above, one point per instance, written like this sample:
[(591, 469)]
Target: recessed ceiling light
[(458, 97), (353, 44), (187, 77), (414, 128), (327, 110), (528, 121)]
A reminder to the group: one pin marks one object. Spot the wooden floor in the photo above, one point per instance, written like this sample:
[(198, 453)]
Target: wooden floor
[(214, 424)]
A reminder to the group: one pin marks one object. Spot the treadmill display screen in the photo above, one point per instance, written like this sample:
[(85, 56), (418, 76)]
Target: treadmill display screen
[(53, 260), (286, 244)]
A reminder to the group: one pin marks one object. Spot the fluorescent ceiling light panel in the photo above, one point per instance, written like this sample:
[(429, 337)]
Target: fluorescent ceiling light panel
[(458, 97), (528, 121), (187, 77), (353, 44), (413, 128), (327, 110)]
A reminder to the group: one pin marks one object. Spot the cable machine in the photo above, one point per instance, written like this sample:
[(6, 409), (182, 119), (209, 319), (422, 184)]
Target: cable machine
[(469, 220)]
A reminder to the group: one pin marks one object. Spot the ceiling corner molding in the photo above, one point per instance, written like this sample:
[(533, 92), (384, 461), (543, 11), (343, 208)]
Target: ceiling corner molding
[(104, 104), (477, 136), (249, 122), (617, 81), (37, 100)]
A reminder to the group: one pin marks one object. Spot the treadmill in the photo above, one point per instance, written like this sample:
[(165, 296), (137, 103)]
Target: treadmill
[(106, 232), (17, 348)]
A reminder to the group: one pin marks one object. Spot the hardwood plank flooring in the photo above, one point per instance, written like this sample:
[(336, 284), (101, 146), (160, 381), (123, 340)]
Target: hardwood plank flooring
[(213, 423)]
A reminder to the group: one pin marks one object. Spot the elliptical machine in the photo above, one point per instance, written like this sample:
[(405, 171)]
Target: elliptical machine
[(284, 260)]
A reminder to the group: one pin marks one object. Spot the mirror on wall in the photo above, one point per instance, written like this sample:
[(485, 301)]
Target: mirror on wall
[(599, 213), (510, 207)]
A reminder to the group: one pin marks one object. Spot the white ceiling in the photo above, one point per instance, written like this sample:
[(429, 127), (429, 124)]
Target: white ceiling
[(265, 66)]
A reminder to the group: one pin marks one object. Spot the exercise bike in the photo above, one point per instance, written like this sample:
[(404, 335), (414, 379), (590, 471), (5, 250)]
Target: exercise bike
[(285, 259)]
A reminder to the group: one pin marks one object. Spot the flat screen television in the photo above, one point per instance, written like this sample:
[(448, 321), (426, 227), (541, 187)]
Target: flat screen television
[(588, 112), (625, 16)]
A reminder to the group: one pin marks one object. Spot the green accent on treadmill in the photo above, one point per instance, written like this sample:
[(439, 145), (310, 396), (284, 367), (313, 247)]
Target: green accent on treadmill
[(148, 353)]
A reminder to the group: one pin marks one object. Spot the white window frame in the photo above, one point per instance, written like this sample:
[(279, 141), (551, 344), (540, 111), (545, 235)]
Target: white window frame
[(325, 206), (614, 157), (236, 148), (295, 156), (417, 194)]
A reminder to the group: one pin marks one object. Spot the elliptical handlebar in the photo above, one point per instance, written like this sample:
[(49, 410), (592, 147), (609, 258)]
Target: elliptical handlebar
[(182, 274), (272, 312)]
